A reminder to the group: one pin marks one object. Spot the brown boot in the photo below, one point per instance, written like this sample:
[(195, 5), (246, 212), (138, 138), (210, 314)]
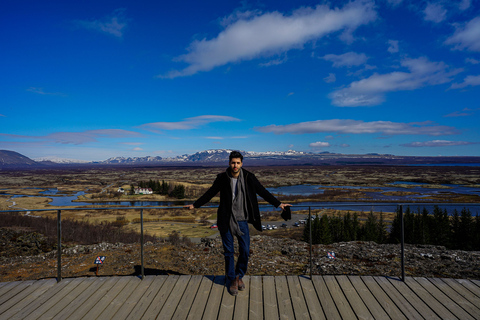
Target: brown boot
[(241, 285), (233, 289)]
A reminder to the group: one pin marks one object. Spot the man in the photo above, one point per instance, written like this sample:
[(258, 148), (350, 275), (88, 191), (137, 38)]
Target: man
[(238, 206)]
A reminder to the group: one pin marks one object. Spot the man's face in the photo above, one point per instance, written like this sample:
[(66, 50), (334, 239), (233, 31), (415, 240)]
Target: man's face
[(235, 165)]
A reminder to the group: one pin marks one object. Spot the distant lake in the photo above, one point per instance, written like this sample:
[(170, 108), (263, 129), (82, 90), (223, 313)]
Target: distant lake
[(445, 165)]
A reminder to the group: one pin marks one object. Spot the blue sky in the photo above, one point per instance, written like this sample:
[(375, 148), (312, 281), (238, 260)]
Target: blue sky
[(91, 80)]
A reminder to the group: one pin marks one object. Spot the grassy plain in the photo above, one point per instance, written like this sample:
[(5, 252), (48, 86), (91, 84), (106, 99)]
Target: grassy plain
[(101, 184)]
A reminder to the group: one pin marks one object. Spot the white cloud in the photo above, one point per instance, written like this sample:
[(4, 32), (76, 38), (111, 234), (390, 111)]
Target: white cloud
[(468, 81), (189, 123), (267, 34), (393, 48), (465, 4), (455, 114), (275, 62), (331, 78), (348, 59), (466, 37), (394, 3), (78, 138), (319, 144), (472, 61), (344, 145), (437, 143), (435, 12), (42, 92), (360, 127), (113, 24), (370, 91), (2, 115), (137, 149)]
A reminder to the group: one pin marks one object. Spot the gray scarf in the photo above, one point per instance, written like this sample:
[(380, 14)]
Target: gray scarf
[(238, 203)]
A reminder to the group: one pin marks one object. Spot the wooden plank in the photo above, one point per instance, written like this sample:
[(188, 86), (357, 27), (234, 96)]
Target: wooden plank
[(198, 305), (368, 299), (470, 286), (227, 305), (25, 297), (107, 298), (456, 297), (241, 304), (187, 299), (477, 282), (160, 298), (408, 293), (383, 299), (213, 305), (270, 306), (339, 298), (146, 299), (299, 305), (93, 299), (134, 298), (37, 307), (429, 300), (8, 286), (255, 298), (391, 289), (466, 294), (68, 298), (174, 298), (311, 299), (285, 308), (116, 303), (353, 298), (16, 289), (55, 300), (96, 284), (326, 301), (455, 310)]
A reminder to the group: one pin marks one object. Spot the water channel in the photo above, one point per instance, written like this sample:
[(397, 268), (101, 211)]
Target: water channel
[(388, 203)]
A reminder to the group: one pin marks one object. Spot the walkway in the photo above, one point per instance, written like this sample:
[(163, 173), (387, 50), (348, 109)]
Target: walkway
[(266, 297)]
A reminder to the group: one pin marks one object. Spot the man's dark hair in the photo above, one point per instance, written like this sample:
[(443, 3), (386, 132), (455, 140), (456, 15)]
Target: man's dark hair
[(235, 154)]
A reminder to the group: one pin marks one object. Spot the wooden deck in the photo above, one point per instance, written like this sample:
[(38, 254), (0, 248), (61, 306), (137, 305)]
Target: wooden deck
[(266, 297)]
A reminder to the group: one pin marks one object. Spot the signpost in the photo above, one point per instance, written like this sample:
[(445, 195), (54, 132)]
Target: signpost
[(99, 261)]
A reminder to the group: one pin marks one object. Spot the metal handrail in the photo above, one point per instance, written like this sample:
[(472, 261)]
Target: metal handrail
[(59, 226)]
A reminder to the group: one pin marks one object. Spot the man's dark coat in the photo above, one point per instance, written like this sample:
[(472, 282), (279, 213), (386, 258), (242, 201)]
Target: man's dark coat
[(252, 188)]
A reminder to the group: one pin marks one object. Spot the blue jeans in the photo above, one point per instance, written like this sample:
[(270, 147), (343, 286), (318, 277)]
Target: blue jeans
[(240, 269)]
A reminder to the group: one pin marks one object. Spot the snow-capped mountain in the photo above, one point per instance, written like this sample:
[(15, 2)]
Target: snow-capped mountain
[(59, 160), (131, 160)]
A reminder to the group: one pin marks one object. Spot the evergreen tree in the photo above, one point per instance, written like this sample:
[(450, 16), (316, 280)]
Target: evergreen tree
[(336, 229), (466, 230), (348, 227), (455, 233), (324, 230), (382, 234), (306, 231), (476, 240), (355, 227), (370, 228), (178, 192), (395, 230)]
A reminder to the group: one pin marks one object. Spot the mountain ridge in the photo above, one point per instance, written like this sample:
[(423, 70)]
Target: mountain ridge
[(12, 159)]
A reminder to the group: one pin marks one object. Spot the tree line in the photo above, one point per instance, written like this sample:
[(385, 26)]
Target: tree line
[(164, 188), (459, 231)]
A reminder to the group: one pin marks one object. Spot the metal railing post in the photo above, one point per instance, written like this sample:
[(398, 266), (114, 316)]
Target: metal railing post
[(310, 224), (141, 245), (59, 245), (402, 240)]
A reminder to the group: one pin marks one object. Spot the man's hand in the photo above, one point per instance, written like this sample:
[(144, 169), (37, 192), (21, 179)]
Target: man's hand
[(189, 206), (283, 205)]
